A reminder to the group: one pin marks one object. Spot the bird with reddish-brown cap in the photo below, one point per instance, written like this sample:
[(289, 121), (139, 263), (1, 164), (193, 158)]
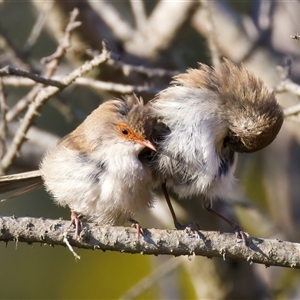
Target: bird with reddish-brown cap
[(98, 170)]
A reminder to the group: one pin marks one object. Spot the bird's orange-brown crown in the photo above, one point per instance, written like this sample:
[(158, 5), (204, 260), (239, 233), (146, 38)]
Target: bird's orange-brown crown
[(125, 118)]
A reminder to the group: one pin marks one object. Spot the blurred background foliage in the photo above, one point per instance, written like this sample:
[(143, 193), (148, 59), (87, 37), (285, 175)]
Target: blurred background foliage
[(172, 35)]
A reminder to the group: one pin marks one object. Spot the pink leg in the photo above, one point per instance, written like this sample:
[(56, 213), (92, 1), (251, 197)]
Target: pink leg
[(135, 224), (75, 220)]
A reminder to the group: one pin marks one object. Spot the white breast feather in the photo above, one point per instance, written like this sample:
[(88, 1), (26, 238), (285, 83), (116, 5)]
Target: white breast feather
[(121, 191), (193, 124)]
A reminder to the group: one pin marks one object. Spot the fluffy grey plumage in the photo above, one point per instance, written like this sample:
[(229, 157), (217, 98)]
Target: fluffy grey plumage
[(211, 115), (95, 170)]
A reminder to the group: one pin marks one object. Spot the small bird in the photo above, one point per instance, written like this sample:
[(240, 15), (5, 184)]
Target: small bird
[(210, 115), (97, 170)]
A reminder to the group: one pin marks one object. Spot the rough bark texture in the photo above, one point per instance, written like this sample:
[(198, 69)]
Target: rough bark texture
[(155, 241)]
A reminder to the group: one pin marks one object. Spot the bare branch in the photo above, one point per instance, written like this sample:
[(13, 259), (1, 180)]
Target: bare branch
[(121, 29), (82, 81), (15, 54), (127, 69), (6, 71), (211, 34), (17, 81), (43, 95), (138, 9), (288, 86), (235, 33), (154, 241), (115, 87), (53, 60), (22, 103), (173, 15), (38, 26), (292, 111)]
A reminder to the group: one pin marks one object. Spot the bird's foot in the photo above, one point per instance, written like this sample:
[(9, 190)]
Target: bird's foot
[(136, 225), (77, 222), (240, 234), (191, 227)]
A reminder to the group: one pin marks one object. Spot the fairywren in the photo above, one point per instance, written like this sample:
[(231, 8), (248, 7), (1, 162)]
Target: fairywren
[(96, 170), (210, 115)]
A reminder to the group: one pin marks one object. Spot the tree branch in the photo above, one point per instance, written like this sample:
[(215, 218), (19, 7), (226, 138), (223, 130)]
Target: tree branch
[(113, 19), (41, 97), (37, 27), (150, 72), (81, 81), (173, 15), (6, 71), (154, 241)]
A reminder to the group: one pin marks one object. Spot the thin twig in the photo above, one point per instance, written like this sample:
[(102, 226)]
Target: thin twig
[(53, 60), (38, 26), (294, 118), (211, 35), (66, 241), (115, 87), (150, 72), (44, 95), (18, 57), (292, 111), (17, 81), (6, 71), (22, 103), (113, 19), (270, 252), (138, 9), (158, 37), (233, 35), (288, 86), (82, 81)]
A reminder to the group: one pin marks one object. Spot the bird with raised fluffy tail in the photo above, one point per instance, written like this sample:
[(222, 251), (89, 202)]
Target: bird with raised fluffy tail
[(97, 170), (210, 115)]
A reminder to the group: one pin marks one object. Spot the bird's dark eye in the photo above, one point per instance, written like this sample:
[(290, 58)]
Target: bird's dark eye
[(124, 131)]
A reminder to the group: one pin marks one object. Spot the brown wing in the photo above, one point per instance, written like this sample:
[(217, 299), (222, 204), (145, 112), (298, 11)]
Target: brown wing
[(27, 181)]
